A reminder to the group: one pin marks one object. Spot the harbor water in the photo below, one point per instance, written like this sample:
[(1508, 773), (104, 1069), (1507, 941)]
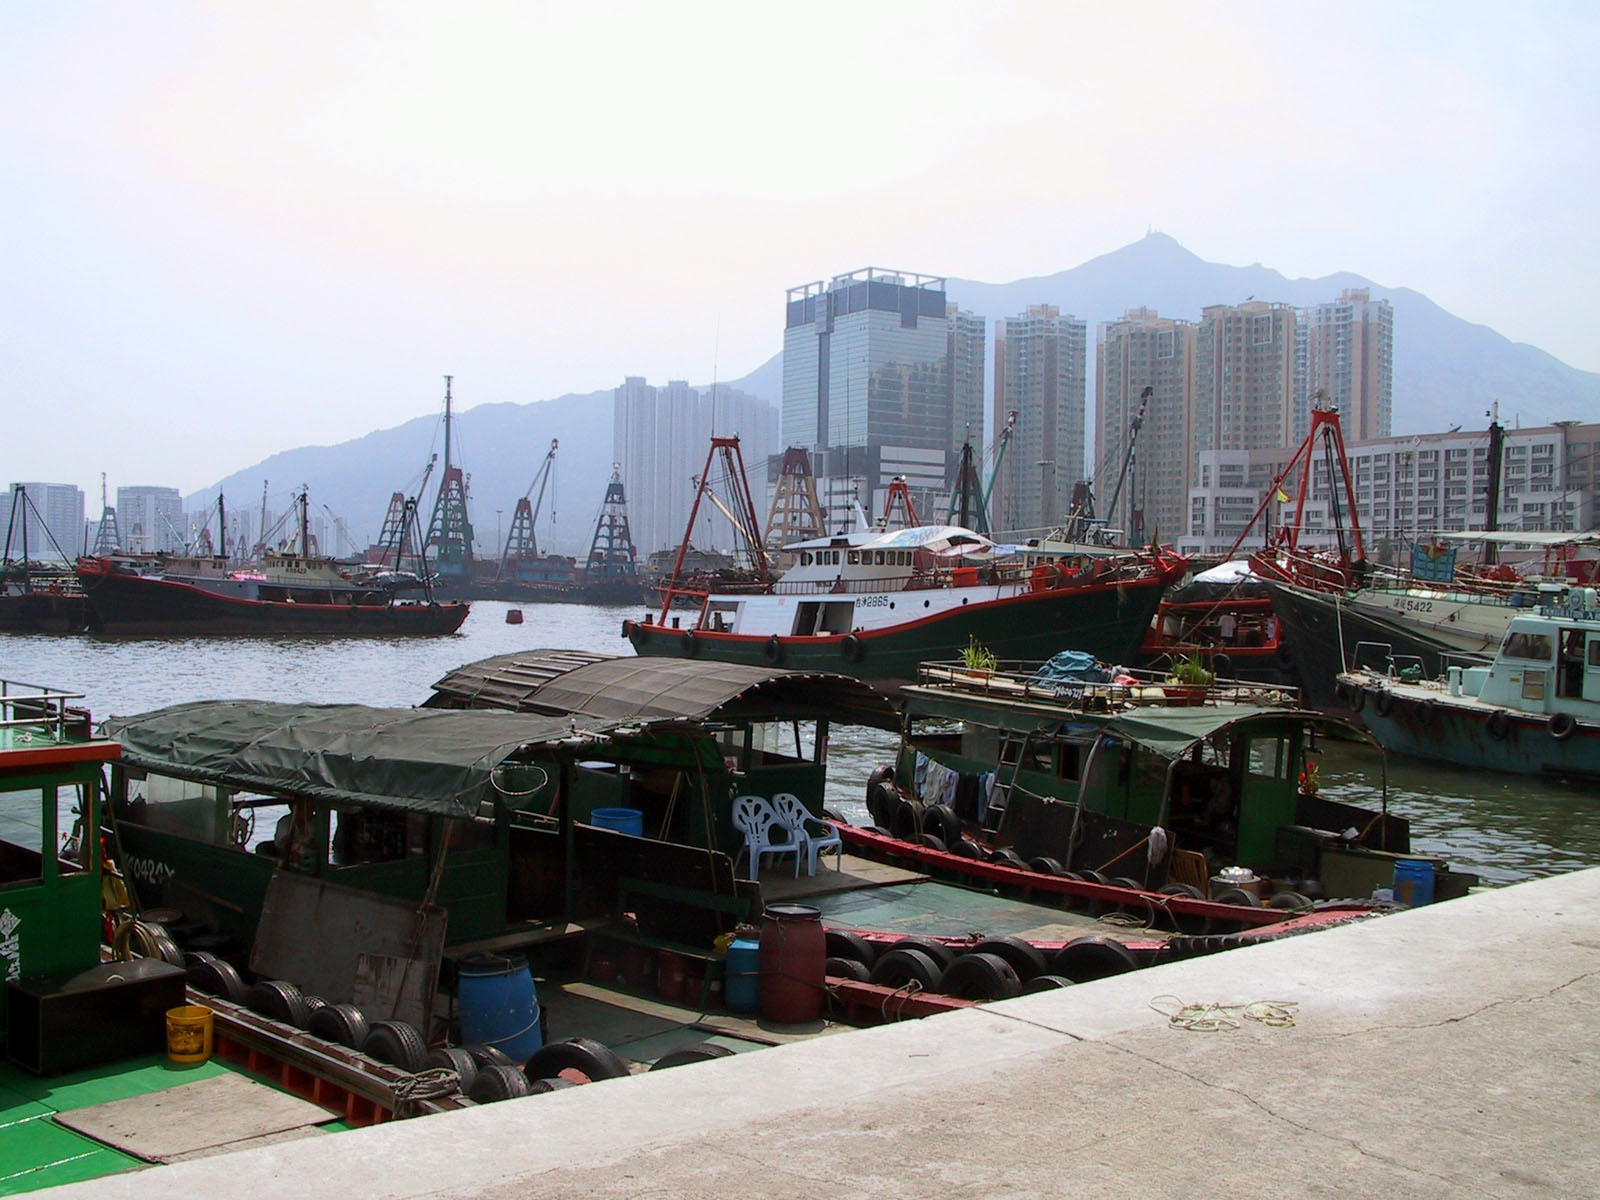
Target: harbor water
[(1505, 828)]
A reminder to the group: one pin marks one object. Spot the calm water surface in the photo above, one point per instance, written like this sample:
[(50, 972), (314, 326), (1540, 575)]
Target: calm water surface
[(1503, 827)]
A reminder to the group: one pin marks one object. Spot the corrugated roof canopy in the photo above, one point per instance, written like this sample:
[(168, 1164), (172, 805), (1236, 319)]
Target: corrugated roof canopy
[(1172, 732), (624, 688), (415, 759)]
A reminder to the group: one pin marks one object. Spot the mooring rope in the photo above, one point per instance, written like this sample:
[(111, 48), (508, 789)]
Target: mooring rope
[(1223, 1018)]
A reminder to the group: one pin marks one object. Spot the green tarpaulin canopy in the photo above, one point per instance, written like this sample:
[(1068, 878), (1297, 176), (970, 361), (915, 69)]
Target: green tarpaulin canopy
[(1171, 732), (419, 760)]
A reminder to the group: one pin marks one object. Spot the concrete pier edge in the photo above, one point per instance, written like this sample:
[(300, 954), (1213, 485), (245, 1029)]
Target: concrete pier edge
[(1443, 1051)]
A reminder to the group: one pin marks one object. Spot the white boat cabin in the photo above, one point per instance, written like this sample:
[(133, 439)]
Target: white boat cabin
[(1549, 661)]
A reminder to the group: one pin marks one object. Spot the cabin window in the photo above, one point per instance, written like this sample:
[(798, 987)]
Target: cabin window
[(1269, 757), (805, 558), (1071, 761), (1536, 647), (877, 559), (181, 807), (1594, 652), (854, 558), (358, 834)]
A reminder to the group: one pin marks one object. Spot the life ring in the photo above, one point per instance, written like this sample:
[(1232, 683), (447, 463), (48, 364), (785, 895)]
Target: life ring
[(1562, 726), (689, 643), (1384, 704), (773, 650), (1221, 665), (1499, 724), (851, 648)]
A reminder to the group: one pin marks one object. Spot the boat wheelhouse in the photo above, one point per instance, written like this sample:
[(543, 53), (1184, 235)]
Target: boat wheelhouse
[(1534, 710)]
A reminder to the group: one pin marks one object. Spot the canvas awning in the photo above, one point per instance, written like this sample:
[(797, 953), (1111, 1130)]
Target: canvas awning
[(419, 760), (1173, 732), (656, 689)]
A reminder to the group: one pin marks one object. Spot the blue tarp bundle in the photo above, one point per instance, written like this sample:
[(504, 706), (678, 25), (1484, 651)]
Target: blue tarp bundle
[(1072, 666)]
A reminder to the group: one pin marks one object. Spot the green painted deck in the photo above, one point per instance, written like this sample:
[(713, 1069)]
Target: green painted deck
[(36, 1153)]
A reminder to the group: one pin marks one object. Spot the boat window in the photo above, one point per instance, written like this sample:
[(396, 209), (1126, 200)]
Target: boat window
[(1269, 757), (1071, 760), (1594, 652), (877, 559), (1534, 646), (373, 835), (854, 558), (805, 558), (179, 806)]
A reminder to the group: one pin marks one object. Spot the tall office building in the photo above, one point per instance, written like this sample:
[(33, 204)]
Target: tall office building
[(1145, 350), (1345, 349), (661, 436), (1040, 368), (151, 519), (968, 349), (867, 387), (51, 520), (1244, 381)]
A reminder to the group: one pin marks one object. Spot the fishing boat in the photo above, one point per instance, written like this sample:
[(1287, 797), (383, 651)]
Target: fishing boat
[(1130, 789), (1534, 710), (290, 592), (1224, 618), (35, 596), (878, 603)]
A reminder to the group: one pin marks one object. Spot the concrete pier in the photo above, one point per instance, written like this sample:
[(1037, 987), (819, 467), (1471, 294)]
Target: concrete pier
[(1448, 1051)]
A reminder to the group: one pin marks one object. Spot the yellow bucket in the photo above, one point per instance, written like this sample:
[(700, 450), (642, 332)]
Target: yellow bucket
[(189, 1033)]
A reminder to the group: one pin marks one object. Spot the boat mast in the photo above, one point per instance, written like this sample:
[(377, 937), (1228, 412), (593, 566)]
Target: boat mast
[(1497, 443), (305, 523), (222, 526)]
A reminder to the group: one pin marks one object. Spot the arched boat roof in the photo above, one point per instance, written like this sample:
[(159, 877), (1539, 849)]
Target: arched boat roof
[(613, 687), (917, 537)]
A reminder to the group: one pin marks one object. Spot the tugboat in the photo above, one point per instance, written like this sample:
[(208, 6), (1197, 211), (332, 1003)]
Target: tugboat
[(1535, 710)]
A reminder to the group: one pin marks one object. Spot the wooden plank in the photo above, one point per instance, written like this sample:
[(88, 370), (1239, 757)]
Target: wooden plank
[(183, 1120)]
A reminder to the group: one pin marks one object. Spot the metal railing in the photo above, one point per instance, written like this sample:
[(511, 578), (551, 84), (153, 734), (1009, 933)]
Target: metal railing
[(29, 705), (1027, 682)]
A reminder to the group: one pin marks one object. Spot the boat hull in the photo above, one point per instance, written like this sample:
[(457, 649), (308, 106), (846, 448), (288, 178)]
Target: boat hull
[(1322, 632), (125, 604), (1432, 726), (43, 612), (1106, 620)]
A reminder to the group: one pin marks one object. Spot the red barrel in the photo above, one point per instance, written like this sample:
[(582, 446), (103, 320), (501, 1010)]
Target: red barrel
[(794, 954)]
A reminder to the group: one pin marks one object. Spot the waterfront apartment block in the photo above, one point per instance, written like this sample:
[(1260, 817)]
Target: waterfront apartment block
[(968, 357), (1345, 351), (1145, 350), (1408, 488), (871, 385), (151, 519), (660, 437), (1040, 371), (51, 521)]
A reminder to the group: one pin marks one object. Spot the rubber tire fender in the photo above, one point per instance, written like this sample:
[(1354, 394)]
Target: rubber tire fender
[(1283, 656), (965, 847), (1046, 866), (899, 968), (638, 635), (846, 968), (217, 978), (1221, 665), (689, 644), (1026, 959), (1044, 983), (842, 943), (278, 1000), (581, 1054), (454, 1058), (772, 651), (1005, 856), (1427, 712), (941, 820), (933, 842), (344, 1025), (1088, 958), (941, 954), (1358, 697), (1290, 901), (905, 822), (1384, 704), (486, 1055), (540, 1087), (684, 1055), (1498, 725), (882, 801), (975, 976), (498, 1083), (1562, 726), (1186, 923), (395, 1043), (1236, 896), (851, 648)]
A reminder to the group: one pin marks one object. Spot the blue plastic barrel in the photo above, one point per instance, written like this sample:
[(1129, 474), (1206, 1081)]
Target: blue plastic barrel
[(497, 1003), (1413, 881), (741, 981), (623, 820)]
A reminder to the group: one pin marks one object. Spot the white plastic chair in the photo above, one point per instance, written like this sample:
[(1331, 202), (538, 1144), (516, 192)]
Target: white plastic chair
[(800, 822), (764, 833)]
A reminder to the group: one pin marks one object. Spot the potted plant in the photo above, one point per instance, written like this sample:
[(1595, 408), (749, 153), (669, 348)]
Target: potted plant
[(1188, 680), (977, 659)]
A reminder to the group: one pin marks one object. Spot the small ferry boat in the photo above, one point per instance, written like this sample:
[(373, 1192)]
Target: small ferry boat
[(877, 603), (1132, 789), (1534, 710)]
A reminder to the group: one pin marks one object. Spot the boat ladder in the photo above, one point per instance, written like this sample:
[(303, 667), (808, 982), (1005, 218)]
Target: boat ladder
[(1013, 750)]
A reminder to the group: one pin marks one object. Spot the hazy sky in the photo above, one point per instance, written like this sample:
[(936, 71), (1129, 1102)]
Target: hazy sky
[(234, 229)]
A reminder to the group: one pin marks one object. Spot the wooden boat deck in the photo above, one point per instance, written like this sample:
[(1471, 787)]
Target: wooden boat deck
[(779, 885)]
